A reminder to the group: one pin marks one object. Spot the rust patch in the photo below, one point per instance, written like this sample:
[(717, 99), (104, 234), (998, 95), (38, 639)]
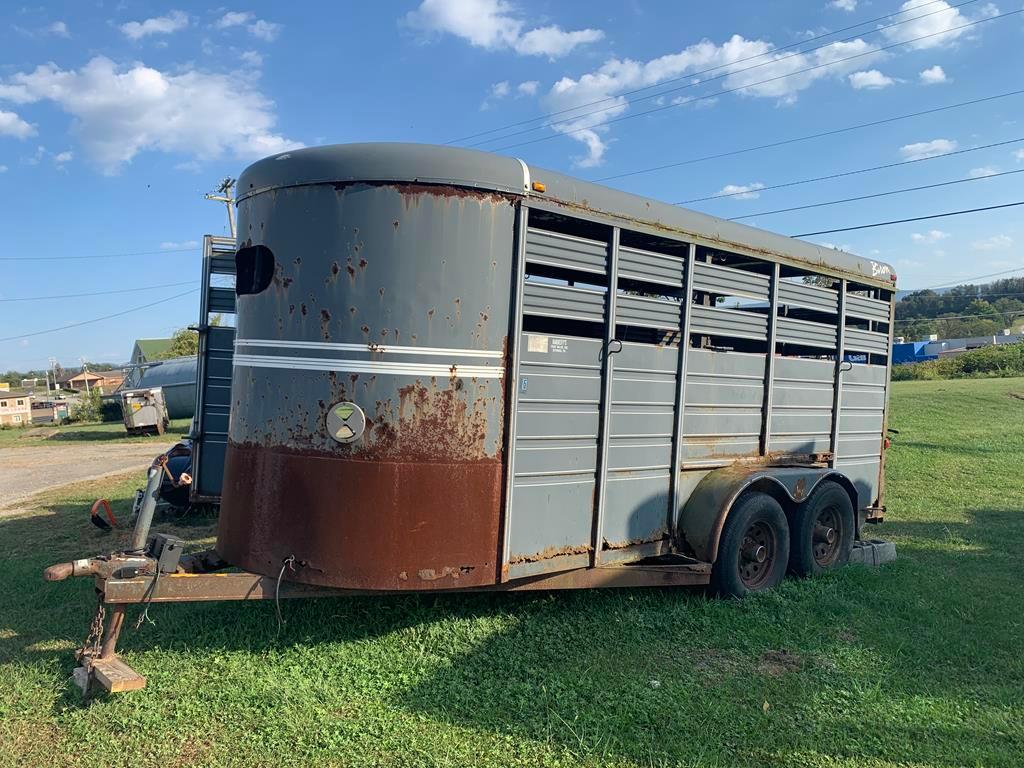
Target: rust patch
[(325, 324), (800, 489), (551, 552), (363, 263), (361, 524), (657, 536), (303, 310)]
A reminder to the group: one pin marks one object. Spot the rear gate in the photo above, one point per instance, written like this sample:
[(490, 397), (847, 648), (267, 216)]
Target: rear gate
[(216, 351)]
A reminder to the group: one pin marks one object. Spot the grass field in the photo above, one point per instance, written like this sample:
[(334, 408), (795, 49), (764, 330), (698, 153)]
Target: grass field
[(111, 431), (919, 663)]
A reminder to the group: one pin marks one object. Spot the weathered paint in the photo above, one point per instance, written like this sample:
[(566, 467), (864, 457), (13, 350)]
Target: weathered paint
[(395, 298)]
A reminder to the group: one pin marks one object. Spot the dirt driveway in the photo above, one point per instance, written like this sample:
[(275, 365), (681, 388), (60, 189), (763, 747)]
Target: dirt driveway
[(25, 471)]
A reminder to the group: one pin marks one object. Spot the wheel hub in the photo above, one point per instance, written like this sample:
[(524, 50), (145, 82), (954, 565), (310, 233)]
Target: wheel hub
[(827, 536), (757, 555)]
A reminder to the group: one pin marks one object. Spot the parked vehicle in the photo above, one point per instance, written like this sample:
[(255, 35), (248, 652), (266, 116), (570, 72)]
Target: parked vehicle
[(144, 411), (455, 371)]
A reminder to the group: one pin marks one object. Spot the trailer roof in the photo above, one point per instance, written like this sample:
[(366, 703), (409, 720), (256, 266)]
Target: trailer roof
[(429, 164)]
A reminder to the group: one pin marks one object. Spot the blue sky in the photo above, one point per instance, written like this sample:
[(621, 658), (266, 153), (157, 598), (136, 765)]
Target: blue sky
[(116, 117)]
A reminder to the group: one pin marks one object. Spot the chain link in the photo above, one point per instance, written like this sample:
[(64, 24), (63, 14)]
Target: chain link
[(91, 646)]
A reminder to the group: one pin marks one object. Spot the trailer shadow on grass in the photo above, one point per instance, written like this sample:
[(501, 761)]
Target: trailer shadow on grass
[(918, 661)]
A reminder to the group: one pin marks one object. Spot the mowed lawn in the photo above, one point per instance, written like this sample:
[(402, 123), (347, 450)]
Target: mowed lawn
[(100, 432), (920, 663)]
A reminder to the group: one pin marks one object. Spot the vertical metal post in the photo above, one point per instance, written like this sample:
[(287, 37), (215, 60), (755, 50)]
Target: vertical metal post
[(837, 392), (522, 220), (680, 404), (605, 420), (885, 404), (108, 649), (769, 360)]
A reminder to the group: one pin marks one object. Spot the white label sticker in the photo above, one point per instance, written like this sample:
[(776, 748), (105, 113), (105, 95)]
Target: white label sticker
[(559, 345), (536, 343)]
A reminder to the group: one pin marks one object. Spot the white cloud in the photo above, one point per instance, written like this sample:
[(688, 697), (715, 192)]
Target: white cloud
[(528, 88), (939, 19), (923, 149), (121, 111), (933, 75), (780, 76), (931, 236), (994, 243), (234, 19), (12, 125), (252, 58), (845, 5), (63, 157), (1019, 155), (871, 78), (265, 30), (3, 169), (172, 246), (175, 21), (494, 25), (741, 191), (978, 173), (58, 28), (500, 90)]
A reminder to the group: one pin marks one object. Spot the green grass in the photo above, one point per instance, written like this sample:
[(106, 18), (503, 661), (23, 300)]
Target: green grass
[(106, 432), (919, 663)]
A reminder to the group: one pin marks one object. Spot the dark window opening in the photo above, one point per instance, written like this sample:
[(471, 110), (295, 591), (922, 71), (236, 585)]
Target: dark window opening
[(557, 326), (545, 273), (727, 344), (569, 226), (639, 335), (646, 242), (254, 269)]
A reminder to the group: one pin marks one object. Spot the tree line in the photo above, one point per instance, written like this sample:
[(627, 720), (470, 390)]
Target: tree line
[(992, 308)]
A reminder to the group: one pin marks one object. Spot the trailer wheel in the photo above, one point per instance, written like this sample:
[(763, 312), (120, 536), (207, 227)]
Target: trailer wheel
[(823, 529), (754, 548)]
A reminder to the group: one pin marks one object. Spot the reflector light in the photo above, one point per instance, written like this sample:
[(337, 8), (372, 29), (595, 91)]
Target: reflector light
[(538, 186)]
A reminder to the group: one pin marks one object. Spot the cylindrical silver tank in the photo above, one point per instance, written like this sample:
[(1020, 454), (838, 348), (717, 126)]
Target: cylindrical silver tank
[(177, 378), (368, 394)]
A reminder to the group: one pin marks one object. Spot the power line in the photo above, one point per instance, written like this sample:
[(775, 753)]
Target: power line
[(100, 293), (958, 317), (751, 85), (695, 74), (808, 137), (967, 280), (98, 319), (731, 73), (759, 190), (915, 218), (691, 75), (876, 194), (98, 255)]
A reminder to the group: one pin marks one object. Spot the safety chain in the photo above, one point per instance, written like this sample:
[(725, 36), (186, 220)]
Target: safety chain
[(91, 646)]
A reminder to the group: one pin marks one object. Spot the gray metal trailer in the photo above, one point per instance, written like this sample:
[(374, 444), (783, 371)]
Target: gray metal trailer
[(455, 371)]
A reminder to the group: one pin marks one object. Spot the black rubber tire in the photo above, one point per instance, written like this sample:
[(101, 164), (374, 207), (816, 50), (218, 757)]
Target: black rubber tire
[(832, 500), (752, 511)]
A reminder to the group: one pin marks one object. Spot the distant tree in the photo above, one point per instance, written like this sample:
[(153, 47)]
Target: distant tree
[(184, 343), (87, 407)]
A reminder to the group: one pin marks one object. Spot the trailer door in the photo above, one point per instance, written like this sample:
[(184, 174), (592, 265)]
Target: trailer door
[(213, 385), (594, 400)]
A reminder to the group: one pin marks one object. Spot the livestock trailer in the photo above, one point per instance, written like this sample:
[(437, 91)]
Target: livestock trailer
[(456, 371)]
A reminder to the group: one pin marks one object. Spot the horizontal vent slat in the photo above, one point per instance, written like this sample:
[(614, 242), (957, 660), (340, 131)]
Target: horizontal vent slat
[(727, 281), (648, 313), (715, 321), (867, 309), (805, 333), (809, 297), (651, 267), (565, 251), (866, 341), (563, 301)]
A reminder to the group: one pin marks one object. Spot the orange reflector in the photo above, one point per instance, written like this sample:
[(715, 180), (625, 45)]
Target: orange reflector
[(888, 442), (538, 186)]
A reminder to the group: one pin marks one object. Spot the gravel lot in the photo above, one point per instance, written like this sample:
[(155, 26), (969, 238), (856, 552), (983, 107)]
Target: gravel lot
[(25, 471)]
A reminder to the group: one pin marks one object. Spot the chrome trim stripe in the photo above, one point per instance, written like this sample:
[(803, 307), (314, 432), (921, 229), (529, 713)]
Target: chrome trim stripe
[(387, 349), (368, 366)]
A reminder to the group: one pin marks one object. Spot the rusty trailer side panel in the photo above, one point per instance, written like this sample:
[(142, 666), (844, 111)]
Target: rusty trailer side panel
[(443, 380)]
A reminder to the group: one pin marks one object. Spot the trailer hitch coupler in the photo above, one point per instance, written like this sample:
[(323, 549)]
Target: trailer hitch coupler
[(62, 571)]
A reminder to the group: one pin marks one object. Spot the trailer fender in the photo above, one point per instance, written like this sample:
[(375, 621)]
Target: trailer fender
[(704, 515)]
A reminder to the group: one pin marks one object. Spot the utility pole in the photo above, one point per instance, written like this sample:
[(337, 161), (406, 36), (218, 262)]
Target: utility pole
[(85, 369), (225, 194), (53, 370)]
